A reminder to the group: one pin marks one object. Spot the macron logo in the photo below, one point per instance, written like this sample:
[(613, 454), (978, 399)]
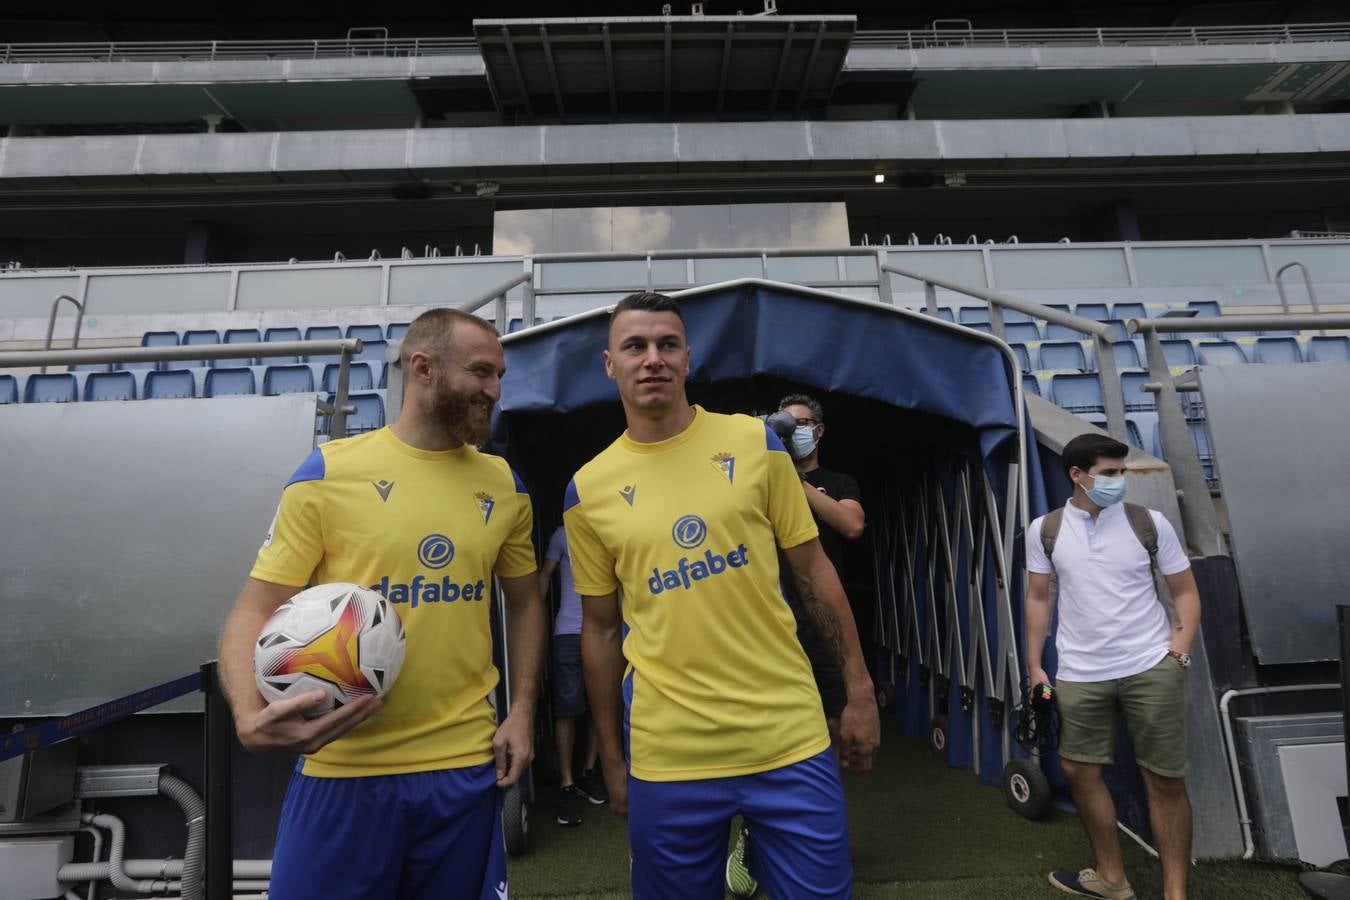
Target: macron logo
[(501, 890), (383, 488), (628, 493)]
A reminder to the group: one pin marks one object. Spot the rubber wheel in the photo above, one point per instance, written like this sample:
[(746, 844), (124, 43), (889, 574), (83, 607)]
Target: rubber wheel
[(516, 820), (885, 696), (937, 735), (1027, 789)]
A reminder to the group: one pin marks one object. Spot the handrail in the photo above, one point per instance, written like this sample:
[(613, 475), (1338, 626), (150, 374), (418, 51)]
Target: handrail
[(14, 359), (1307, 283), (51, 323), (338, 48), (1275, 321)]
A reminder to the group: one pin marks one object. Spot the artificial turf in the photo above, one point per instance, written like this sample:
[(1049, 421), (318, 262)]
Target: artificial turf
[(920, 830)]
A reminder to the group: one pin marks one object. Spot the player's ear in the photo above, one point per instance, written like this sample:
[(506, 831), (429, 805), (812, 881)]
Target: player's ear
[(609, 364)]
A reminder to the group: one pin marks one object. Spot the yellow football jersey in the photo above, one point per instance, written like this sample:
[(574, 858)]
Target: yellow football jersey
[(427, 529), (717, 683)]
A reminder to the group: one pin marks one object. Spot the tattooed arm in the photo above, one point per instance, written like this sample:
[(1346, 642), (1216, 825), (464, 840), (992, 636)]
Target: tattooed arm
[(823, 602)]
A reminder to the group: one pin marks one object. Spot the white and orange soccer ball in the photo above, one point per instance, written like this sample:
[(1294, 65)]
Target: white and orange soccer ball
[(342, 639)]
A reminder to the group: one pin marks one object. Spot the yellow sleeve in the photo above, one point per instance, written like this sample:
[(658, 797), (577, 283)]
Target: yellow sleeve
[(592, 563), (293, 547), (789, 512), (516, 558)]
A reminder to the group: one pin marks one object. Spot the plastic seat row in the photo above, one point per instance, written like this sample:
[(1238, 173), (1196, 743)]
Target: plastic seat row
[(1055, 356), (159, 384), (372, 351)]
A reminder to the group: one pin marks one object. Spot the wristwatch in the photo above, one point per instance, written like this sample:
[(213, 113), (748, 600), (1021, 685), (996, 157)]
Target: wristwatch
[(1184, 659)]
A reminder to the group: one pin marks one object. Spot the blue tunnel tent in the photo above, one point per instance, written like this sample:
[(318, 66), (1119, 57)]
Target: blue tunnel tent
[(926, 415)]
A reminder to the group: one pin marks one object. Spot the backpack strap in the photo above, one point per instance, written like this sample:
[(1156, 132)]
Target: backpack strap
[(1050, 532), (1146, 530)]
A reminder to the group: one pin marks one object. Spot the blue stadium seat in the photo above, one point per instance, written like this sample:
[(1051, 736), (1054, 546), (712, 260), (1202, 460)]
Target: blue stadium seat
[(1221, 353), (238, 336), (1125, 311), (297, 379), (369, 414), (51, 388), (1200, 436), (91, 367), (323, 333), (1206, 308), (1126, 354), (371, 352), (972, 315), (1329, 348), (513, 326), (1023, 357), (9, 389), (1030, 385), (358, 378), (1055, 332), (981, 326), (196, 339), (1277, 350), (152, 339), (110, 386), (1061, 356), (232, 382), (1143, 424), (1022, 332), (169, 384), (1135, 399), (397, 330), (1015, 316), (1179, 353), (1121, 333), (1095, 311), (365, 332), (1077, 393), (276, 335), (1133, 436), (1062, 307)]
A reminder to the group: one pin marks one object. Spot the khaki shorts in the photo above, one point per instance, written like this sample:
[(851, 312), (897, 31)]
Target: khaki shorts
[(1153, 706)]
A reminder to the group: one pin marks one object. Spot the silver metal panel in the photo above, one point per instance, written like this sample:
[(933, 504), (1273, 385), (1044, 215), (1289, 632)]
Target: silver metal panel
[(1279, 435), (1259, 740), (118, 781), (132, 527)]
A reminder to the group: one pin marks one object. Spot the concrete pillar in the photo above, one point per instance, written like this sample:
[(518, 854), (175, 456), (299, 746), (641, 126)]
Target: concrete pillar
[(205, 242), (1122, 223)]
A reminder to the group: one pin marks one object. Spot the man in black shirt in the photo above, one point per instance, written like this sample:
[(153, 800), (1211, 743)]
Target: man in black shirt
[(833, 496)]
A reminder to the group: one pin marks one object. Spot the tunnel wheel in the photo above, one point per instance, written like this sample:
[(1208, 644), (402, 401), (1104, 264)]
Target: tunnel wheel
[(938, 732), (516, 820), (1027, 789), (885, 696)]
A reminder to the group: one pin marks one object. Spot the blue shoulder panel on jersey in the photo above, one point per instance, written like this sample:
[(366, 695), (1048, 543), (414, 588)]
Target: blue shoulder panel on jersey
[(311, 469), (571, 498), (520, 485), (773, 440)]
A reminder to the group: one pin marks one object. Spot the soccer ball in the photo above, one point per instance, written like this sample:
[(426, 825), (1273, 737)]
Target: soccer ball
[(339, 638)]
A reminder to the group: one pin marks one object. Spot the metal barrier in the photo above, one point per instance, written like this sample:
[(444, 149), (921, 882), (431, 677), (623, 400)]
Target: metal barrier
[(1103, 37)]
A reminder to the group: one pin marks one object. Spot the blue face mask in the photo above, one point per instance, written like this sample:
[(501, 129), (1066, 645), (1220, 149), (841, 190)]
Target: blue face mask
[(803, 441), (1107, 490)]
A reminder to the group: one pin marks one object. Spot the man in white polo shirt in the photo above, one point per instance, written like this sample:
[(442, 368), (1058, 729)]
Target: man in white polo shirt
[(1119, 646)]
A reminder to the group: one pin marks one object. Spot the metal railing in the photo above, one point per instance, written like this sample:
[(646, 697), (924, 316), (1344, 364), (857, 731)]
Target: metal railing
[(941, 35), (199, 51), (968, 36)]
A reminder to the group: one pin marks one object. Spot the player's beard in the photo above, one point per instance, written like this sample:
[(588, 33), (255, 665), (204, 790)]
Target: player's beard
[(466, 419)]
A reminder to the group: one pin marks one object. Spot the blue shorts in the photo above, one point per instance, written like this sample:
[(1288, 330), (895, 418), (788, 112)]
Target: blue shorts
[(679, 831), (392, 837), (569, 684)]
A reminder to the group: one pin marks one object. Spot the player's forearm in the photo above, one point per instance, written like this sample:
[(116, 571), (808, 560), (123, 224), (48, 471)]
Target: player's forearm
[(824, 601), (602, 664), (1038, 625), (527, 636), (235, 667)]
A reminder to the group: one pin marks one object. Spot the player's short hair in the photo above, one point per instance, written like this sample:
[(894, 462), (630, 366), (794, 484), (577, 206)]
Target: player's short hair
[(646, 301), (1084, 451), (433, 333), (811, 403)]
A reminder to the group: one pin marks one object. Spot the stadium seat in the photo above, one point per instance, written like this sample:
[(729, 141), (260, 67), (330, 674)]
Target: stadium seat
[(110, 386), (365, 332), (1121, 333), (1200, 437), (1061, 357), (358, 378), (944, 314), (280, 334), (1277, 350), (1329, 348), (323, 333), (1030, 385), (238, 336), (91, 367), (196, 339), (981, 326), (1221, 353), (169, 384), (152, 339), (1022, 332), (1143, 424), (369, 414), (384, 375), (1023, 357), (51, 388), (397, 330), (1135, 399), (1077, 393), (9, 389), (232, 382), (1054, 332), (1126, 354), (288, 380), (371, 352), (1179, 353), (1015, 316), (513, 326), (1126, 311), (972, 315), (1133, 436), (1206, 308), (1096, 311)]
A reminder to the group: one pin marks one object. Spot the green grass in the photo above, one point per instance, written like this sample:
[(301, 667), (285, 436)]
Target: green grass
[(920, 830)]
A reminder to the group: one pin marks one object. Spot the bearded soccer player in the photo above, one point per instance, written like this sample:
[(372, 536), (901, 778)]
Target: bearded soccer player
[(401, 797), (716, 707)]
